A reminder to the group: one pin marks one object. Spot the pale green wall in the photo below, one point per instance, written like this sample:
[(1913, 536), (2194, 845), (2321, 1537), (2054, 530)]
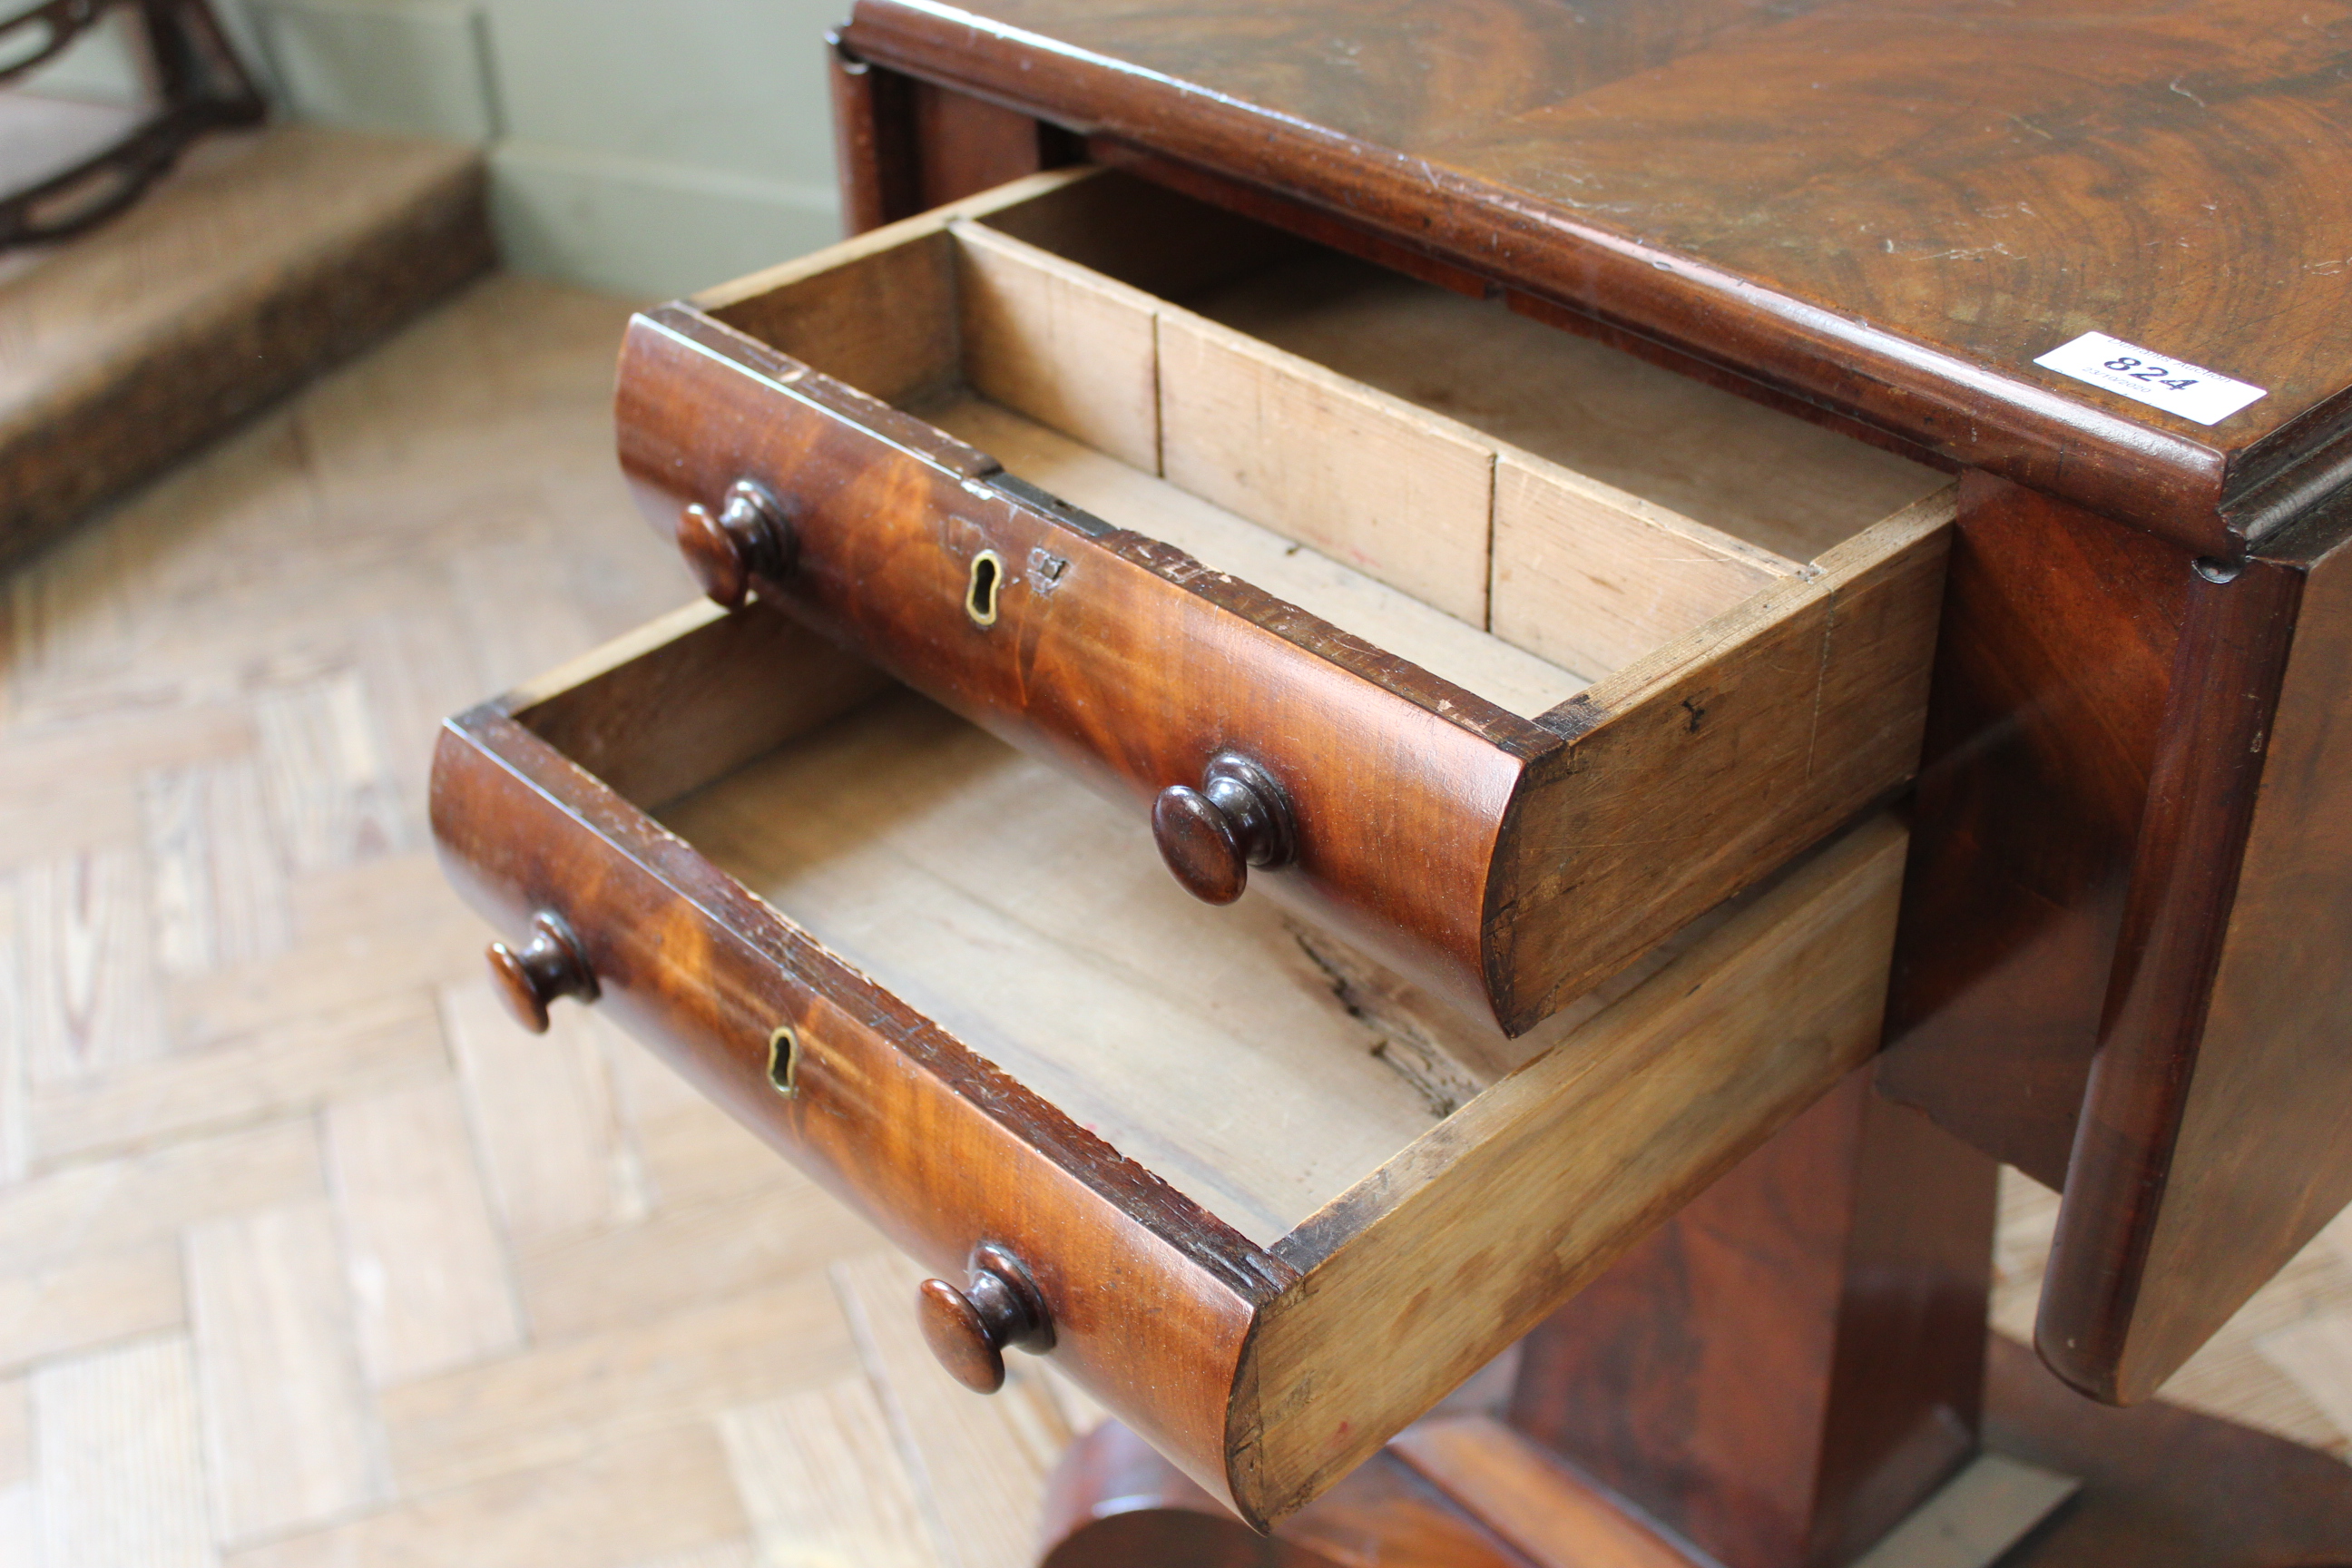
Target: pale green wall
[(641, 147)]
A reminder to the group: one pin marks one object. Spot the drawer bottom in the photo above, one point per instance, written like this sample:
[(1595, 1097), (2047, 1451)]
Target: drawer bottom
[(1234, 1052)]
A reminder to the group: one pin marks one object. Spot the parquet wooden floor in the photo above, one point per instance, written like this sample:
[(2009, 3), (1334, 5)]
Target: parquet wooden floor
[(308, 1258)]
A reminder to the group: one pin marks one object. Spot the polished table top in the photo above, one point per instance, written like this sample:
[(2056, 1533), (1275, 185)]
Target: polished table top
[(1894, 209)]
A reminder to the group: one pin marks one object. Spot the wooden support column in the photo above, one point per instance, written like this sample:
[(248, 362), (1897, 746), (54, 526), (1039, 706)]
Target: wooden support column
[(1788, 1367), (1779, 1375)]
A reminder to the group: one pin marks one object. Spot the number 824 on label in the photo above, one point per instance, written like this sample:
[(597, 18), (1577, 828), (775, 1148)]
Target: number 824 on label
[(2175, 386), (2140, 370)]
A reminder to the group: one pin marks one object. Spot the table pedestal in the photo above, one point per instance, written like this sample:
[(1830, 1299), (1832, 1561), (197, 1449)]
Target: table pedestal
[(1792, 1372)]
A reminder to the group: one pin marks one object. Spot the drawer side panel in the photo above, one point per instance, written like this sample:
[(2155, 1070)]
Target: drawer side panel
[(1703, 768)]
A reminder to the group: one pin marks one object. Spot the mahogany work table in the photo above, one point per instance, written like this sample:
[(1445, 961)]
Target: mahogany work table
[(2092, 262)]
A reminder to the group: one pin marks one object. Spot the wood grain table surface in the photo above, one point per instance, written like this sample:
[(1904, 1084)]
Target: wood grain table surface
[(1893, 209)]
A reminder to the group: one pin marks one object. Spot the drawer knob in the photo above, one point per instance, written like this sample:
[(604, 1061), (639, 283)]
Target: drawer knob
[(968, 1329), (750, 536), (1211, 836), (549, 965)]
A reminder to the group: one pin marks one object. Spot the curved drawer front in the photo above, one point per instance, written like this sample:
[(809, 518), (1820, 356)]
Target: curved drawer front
[(1227, 1151), (1149, 1300), (1512, 726)]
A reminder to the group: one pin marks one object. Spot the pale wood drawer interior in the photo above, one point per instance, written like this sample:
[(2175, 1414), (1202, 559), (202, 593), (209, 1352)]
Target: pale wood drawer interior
[(1519, 510), (1252, 1061), (1630, 582)]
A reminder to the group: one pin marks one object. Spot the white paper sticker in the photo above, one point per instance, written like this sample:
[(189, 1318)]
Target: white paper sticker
[(2174, 386)]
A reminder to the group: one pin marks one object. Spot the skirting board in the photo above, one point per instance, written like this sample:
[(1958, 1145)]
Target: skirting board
[(640, 228)]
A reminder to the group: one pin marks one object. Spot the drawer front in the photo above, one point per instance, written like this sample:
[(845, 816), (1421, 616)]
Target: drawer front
[(1117, 655), (1563, 719), (1150, 1299)]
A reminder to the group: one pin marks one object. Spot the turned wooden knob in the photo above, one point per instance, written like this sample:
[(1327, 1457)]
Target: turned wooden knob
[(549, 965), (1211, 836), (968, 1329), (749, 536)]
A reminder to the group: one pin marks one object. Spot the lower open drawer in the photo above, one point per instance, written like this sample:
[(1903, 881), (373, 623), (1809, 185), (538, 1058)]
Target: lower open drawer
[(1275, 1202)]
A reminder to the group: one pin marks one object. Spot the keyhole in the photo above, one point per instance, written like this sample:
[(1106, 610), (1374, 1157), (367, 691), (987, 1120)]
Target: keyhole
[(979, 599), (783, 1061)]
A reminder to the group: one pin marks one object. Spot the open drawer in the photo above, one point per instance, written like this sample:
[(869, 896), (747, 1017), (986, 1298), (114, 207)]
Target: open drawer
[(1264, 1199), (1376, 631)]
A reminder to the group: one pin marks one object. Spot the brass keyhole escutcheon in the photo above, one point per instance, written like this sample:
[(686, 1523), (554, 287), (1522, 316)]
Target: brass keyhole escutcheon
[(981, 592), (784, 1061)]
